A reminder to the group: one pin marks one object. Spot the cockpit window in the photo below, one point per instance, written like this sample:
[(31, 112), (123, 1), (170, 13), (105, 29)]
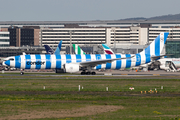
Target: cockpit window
[(11, 59)]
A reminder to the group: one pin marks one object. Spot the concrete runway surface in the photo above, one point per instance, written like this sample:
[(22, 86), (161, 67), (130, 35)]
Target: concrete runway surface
[(111, 73)]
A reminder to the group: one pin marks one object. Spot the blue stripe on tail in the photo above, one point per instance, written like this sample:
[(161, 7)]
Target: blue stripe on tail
[(147, 50), (157, 46), (165, 36)]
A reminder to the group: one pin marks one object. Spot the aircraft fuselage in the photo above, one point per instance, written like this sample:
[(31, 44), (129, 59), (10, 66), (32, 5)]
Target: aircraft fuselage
[(46, 61)]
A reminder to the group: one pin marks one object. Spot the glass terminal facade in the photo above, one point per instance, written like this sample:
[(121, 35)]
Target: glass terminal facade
[(173, 47), (4, 39)]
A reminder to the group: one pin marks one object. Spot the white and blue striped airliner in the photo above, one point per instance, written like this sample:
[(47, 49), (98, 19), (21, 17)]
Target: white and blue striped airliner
[(89, 62)]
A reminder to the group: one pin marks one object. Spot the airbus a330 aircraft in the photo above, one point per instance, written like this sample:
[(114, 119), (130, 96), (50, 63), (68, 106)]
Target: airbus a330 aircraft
[(87, 63)]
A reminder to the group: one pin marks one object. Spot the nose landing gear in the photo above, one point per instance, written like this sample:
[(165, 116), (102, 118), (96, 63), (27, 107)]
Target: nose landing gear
[(22, 73)]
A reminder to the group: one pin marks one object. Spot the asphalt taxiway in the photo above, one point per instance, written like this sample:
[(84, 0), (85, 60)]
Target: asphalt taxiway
[(110, 73)]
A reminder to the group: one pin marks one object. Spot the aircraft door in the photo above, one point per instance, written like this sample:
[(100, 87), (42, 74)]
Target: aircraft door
[(167, 63)]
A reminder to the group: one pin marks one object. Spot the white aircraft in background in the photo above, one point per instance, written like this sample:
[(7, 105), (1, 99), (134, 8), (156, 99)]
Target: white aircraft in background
[(87, 63), (170, 64)]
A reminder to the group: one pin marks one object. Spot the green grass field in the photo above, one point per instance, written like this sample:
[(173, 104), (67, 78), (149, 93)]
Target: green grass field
[(24, 97)]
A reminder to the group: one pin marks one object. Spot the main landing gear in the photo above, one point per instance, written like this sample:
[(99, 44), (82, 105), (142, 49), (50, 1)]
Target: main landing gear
[(88, 73)]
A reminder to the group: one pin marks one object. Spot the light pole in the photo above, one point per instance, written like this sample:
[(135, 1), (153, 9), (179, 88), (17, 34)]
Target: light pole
[(71, 41), (114, 30)]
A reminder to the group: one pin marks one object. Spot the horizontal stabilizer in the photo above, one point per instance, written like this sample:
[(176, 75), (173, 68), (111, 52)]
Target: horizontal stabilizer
[(156, 57)]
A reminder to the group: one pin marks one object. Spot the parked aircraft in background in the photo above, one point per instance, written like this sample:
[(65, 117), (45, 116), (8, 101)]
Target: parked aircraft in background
[(106, 49), (51, 51), (78, 50), (169, 64), (87, 63)]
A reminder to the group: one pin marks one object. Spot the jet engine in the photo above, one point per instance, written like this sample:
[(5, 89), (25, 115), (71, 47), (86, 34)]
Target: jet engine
[(71, 68)]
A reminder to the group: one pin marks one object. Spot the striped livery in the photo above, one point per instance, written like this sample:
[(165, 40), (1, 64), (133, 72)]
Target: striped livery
[(42, 61)]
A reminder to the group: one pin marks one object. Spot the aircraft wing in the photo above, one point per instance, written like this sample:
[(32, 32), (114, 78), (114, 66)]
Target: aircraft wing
[(103, 61), (156, 57)]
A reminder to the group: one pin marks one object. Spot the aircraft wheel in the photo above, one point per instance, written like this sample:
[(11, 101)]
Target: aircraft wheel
[(93, 73), (82, 73), (22, 73), (87, 73)]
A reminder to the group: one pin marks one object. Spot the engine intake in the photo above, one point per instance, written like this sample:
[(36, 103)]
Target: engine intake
[(71, 68)]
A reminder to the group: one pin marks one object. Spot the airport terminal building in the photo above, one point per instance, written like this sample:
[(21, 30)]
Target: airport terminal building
[(121, 36), (4, 39)]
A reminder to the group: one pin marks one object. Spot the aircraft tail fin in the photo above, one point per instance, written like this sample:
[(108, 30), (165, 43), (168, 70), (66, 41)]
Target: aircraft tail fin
[(156, 47), (48, 49), (106, 49), (78, 50), (154, 50), (58, 49)]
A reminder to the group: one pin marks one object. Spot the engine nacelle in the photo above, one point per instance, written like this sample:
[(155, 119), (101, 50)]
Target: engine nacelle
[(71, 68)]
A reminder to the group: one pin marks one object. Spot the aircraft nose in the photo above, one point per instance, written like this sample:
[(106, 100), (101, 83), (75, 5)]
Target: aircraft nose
[(3, 63), (6, 63)]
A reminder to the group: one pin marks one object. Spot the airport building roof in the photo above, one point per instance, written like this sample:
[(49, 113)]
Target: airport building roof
[(110, 22)]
